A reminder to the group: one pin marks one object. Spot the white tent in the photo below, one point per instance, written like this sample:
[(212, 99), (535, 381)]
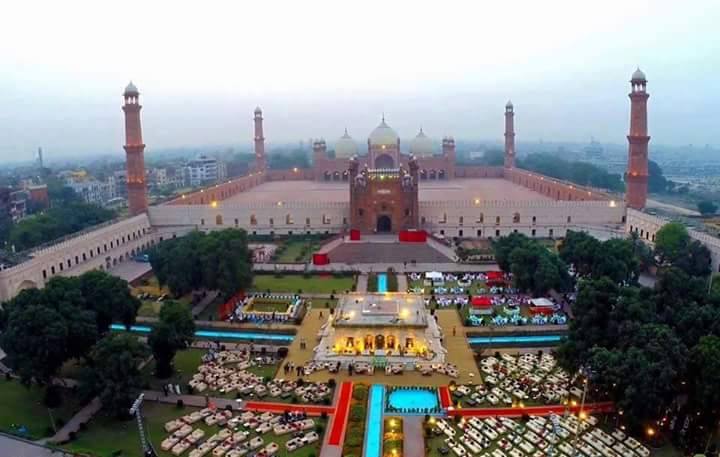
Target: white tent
[(542, 302), (434, 276)]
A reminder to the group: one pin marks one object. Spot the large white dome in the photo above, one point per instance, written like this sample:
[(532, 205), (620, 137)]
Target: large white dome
[(345, 147), (383, 135), (421, 145)]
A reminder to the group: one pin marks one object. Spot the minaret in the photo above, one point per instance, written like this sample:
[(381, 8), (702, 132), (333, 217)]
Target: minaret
[(509, 135), (636, 177), (260, 160), (134, 152), (448, 150)]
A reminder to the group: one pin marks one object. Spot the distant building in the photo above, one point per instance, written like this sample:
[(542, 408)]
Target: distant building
[(204, 170), (38, 194), (13, 203), (91, 190), (594, 150)]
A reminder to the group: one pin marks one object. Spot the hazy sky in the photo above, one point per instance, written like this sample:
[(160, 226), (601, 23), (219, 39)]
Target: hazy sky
[(316, 67)]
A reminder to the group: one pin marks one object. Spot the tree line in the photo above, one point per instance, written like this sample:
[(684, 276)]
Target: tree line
[(654, 351)]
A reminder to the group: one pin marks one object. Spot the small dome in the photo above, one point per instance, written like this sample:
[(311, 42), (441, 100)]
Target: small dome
[(638, 75), (258, 110), (383, 135), (421, 145), (345, 147), (131, 89), (508, 104)]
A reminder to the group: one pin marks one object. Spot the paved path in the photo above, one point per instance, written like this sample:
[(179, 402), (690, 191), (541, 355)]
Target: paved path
[(362, 283), (12, 446), (328, 449), (200, 307), (367, 267), (413, 439), (73, 425), (603, 407), (130, 270), (402, 283)]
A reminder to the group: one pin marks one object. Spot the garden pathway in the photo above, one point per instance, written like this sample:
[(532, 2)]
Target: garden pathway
[(73, 425), (458, 349), (202, 304), (413, 439), (402, 283), (362, 283)]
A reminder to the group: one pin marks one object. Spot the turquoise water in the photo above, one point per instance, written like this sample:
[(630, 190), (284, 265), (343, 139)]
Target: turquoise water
[(373, 430), (400, 399), (234, 335), (515, 339), (382, 282)]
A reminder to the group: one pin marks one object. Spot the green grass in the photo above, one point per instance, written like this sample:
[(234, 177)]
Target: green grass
[(315, 284), (297, 251), (106, 435), (186, 364), (268, 305), (23, 406), (149, 308)]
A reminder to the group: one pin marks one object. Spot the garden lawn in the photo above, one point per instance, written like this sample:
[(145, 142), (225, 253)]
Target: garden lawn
[(293, 252), (106, 436), (269, 306), (22, 406), (186, 364), (314, 284)]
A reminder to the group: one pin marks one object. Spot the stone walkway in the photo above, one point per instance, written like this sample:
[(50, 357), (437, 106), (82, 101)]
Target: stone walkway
[(73, 425), (402, 283), (204, 303), (362, 283), (413, 439)]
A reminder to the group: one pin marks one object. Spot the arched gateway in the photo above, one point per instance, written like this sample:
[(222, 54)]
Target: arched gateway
[(384, 224)]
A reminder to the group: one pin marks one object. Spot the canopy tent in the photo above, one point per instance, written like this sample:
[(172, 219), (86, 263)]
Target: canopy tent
[(434, 276), (495, 275), (481, 301), (542, 302)]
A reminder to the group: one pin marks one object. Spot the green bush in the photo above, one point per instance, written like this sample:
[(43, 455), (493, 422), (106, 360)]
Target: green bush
[(360, 392), (354, 438), (357, 413)]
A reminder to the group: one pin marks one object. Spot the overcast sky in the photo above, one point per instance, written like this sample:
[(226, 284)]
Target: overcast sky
[(317, 67)]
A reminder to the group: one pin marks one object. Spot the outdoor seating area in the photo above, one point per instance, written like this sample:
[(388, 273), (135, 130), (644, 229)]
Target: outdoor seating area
[(516, 381), (247, 433), (260, 308), (437, 283), (539, 437), (513, 309)]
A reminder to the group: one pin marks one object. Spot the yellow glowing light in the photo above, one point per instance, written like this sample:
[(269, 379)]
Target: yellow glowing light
[(650, 431), (583, 415), (432, 421), (279, 203), (477, 201), (573, 403), (295, 169), (393, 423), (404, 313), (183, 196), (213, 204), (352, 314), (613, 204)]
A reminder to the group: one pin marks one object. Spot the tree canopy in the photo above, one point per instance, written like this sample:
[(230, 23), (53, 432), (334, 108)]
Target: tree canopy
[(649, 347), (706, 207), (615, 258), (42, 328), (113, 372), (674, 246), (173, 332), (219, 260), (55, 223), (534, 268)]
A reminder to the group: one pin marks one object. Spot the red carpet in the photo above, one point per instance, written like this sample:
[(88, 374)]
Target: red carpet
[(339, 419), (445, 399), (605, 407), (310, 410)]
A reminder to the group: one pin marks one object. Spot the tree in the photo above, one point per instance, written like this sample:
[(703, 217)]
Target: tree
[(582, 173), (704, 374), (110, 298), (503, 247), (707, 207), (114, 371), (173, 332), (494, 157), (657, 183), (217, 261), (670, 241)]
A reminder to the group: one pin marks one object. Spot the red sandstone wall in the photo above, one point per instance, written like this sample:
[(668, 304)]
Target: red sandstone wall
[(294, 174), (553, 188), (220, 192), (478, 172)]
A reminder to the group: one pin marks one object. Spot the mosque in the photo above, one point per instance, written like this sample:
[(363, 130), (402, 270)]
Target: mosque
[(360, 192)]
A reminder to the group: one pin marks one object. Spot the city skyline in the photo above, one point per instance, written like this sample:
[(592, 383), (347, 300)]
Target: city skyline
[(200, 88)]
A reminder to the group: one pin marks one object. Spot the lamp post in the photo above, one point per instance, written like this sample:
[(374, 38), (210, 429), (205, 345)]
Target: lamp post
[(135, 409), (581, 414)]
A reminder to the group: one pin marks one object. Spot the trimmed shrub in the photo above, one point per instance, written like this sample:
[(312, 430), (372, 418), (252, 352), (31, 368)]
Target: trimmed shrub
[(357, 413), (180, 403)]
